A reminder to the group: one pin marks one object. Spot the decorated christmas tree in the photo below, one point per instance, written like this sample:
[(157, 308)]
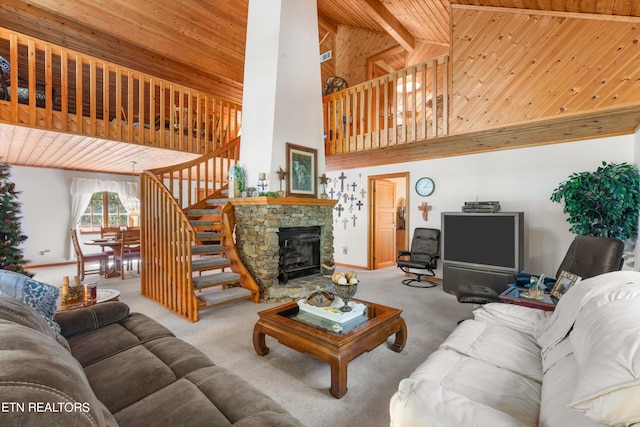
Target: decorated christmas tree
[(11, 237)]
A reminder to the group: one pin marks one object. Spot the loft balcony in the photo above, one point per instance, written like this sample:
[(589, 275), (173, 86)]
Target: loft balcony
[(65, 91), (391, 119)]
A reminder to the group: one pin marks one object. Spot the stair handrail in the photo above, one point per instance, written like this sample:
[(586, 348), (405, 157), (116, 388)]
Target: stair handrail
[(205, 176), (166, 239)]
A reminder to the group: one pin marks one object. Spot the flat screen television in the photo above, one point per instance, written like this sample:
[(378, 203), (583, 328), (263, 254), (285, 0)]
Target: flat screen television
[(492, 241)]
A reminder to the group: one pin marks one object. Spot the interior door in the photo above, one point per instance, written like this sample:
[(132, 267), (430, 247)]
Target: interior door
[(384, 223)]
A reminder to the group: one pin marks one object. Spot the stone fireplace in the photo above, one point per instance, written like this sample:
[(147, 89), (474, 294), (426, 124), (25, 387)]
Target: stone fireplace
[(259, 221)]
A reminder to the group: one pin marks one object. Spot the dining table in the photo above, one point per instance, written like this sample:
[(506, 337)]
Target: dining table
[(113, 269)]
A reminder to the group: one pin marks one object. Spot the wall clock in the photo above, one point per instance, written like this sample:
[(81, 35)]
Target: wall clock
[(425, 186)]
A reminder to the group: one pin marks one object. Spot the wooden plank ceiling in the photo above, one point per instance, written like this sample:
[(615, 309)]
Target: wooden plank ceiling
[(201, 44)]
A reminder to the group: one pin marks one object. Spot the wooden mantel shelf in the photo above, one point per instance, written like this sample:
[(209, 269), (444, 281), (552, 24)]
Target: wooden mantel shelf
[(289, 201)]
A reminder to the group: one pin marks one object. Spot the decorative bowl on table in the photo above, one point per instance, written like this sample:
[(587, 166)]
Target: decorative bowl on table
[(346, 285)]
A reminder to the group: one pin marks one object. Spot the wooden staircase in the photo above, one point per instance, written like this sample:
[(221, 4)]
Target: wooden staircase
[(212, 283), (190, 262)]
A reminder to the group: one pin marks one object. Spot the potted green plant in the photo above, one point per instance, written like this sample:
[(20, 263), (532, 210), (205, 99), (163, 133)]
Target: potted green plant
[(602, 203)]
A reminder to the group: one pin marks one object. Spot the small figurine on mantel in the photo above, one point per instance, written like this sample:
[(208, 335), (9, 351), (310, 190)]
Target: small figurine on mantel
[(281, 177), (324, 180)]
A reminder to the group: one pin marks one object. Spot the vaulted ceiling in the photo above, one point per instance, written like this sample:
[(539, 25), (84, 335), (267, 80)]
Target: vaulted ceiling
[(202, 44)]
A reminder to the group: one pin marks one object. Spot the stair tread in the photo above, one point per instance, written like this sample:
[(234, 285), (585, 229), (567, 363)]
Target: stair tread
[(200, 212), (207, 249), (204, 222), (204, 263), (216, 202), (224, 295), (208, 235), (223, 278)]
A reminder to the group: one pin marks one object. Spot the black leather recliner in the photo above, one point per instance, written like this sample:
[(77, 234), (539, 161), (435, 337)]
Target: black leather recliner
[(587, 256), (424, 255)]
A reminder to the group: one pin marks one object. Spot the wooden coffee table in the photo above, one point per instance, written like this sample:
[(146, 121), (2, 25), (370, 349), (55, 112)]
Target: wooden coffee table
[(338, 349)]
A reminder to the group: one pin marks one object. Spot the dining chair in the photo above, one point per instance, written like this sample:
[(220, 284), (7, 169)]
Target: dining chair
[(129, 250), (108, 233), (83, 260)]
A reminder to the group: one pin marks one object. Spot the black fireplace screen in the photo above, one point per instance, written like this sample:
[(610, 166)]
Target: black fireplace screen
[(299, 252)]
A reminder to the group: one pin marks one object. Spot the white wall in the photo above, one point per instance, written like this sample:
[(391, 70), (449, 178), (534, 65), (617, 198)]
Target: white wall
[(282, 98), (45, 206), (521, 180)]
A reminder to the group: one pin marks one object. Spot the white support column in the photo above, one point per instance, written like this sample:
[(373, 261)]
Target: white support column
[(282, 100)]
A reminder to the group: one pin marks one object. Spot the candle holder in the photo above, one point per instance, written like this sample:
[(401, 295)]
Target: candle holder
[(262, 181)]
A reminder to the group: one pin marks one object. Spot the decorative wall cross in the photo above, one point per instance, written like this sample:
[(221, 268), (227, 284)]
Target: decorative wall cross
[(353, 186), (359, 204), (331, 193), (339, 208), (354, 220), (425, 208), (345, 222), (342, 177)]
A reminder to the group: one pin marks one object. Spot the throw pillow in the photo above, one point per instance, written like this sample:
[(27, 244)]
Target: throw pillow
[(39, 296), (606, 343)]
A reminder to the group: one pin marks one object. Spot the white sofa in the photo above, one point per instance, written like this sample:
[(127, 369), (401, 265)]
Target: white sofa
[(517, 366)]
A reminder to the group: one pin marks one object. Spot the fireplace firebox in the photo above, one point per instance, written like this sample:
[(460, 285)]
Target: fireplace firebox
[(299, 252)]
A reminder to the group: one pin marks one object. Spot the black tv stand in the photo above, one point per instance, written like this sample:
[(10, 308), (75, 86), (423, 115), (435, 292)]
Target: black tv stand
[(454, 275)]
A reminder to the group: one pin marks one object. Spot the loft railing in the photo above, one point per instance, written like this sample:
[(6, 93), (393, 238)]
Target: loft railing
[(63, 90), (393, 109)]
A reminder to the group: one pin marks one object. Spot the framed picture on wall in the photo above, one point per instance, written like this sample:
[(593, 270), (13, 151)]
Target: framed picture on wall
[(302, 167)]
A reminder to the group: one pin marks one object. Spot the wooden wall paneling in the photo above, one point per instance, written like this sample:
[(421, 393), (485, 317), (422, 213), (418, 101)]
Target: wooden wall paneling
[(328, 68), (424, 51), (605, 7), (426, 20), (353, 47), (536, 66)]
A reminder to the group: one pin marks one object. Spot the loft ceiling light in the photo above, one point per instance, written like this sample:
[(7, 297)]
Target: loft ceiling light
[(407, 85), (132, 204)]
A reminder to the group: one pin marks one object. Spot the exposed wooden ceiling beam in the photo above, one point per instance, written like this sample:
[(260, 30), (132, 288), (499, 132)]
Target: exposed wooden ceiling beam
[(390, 23), (327, 24)]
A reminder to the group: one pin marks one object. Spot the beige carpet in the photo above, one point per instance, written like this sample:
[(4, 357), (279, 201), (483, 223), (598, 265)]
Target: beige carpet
[(300, 382)]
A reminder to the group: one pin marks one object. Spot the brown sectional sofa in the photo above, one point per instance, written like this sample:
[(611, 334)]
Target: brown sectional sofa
[(110, 367)]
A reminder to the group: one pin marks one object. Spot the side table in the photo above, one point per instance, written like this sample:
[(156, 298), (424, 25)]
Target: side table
[(512, 296)]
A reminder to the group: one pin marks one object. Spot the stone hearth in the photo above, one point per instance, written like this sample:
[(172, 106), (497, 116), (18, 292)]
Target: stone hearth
[(258, 220)]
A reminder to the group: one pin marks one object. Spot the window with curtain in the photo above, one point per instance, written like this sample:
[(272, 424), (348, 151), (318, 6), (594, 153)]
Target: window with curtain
[(104, 210)]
